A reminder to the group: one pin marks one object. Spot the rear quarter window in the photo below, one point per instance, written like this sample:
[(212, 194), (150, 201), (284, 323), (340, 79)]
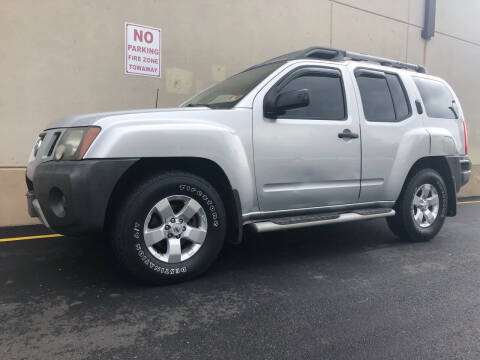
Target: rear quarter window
[(436, 97)]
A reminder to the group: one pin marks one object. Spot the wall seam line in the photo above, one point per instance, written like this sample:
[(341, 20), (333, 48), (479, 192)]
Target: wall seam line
[(402, 22), (331, 24), (458, 38), (372, 12)]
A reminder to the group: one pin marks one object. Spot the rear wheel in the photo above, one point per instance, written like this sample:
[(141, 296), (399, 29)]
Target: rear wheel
[(421, 208), (170, 229)]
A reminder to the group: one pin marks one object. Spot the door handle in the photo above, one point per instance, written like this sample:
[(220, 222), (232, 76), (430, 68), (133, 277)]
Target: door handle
[(347, 134)]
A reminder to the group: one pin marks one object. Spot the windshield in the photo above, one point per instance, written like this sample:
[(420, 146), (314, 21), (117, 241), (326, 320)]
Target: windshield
[(230, 91)]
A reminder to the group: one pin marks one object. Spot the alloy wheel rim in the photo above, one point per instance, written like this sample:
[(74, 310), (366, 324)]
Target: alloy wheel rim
[(425, 205), (175, 228)]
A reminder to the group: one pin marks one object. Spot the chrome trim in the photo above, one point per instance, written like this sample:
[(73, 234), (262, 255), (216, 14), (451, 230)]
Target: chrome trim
[(265, 226), (296, 186)]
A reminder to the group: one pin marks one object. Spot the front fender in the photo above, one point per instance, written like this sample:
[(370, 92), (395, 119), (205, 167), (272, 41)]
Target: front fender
[(228, 146)]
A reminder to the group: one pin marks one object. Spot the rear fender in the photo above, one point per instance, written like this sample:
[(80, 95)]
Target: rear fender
[(442, 142), (414, 146)]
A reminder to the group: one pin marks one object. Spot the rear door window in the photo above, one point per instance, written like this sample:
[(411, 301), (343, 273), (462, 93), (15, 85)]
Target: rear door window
[(399, 97), (436, 97), (376, 99), (384, 98)]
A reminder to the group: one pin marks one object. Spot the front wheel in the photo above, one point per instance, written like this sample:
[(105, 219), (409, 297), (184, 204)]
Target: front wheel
[(421, 208), (170, 228)]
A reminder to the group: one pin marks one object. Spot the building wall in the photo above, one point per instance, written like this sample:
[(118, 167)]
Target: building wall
[(62, 57)]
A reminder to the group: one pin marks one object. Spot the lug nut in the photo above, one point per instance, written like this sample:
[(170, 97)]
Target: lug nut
[(172, 220), (167, 227), (169, 235), (181, 221), (178, 236), (184, 228)]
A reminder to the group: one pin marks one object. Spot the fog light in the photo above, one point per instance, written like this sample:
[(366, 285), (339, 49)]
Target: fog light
[(57, 202)]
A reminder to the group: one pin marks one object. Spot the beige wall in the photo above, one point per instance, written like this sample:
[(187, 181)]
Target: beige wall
[(62, 57)]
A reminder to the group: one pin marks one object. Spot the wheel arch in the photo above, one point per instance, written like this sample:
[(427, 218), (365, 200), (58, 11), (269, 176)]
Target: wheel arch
[(204, 168), (439, 164)]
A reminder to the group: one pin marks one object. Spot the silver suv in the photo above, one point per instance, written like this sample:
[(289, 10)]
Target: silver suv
[(314, 137)]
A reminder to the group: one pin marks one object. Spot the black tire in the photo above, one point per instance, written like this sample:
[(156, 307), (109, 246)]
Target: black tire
[(403, 224), (127, 230)]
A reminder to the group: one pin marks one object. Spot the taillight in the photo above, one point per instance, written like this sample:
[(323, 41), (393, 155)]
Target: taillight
[(465, 137)]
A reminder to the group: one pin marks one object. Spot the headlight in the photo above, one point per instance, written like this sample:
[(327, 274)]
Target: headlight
[(75, 142)]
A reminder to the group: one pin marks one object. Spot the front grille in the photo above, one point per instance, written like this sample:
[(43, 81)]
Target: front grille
[(53, 142)]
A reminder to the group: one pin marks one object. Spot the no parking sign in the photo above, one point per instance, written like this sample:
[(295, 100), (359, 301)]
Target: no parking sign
[(142, 50)]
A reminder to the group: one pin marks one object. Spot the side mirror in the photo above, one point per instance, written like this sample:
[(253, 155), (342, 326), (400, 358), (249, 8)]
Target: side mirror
[(286, 101)]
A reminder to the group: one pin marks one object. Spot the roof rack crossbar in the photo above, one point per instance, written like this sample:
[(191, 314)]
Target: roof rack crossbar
[(331, 54)]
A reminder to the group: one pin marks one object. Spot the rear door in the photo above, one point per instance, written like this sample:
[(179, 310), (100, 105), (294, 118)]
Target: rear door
[(392, 136), (300, 160)]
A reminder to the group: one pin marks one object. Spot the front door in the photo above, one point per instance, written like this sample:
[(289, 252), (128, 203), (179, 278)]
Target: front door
[(309, 156)]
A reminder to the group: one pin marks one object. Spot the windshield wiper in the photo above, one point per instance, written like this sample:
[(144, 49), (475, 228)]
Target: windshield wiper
[(200, 105)]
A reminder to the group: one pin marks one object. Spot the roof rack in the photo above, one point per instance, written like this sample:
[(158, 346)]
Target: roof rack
[(331, 54)]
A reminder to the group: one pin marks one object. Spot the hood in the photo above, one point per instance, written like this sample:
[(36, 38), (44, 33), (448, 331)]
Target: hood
[(92, 119)]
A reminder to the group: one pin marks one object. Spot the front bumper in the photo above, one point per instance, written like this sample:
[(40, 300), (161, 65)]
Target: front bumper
[(71, 197), (34, 209)]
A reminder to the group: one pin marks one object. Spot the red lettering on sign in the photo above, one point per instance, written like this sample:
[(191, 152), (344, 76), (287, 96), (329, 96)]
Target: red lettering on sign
[(138, 36), (142, 50), (148, 37)]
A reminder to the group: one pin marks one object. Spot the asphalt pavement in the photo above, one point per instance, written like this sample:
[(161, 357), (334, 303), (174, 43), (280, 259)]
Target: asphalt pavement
[(345, 291)]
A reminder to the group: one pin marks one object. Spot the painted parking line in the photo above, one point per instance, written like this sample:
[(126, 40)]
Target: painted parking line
[(59, 235), (30, 237)]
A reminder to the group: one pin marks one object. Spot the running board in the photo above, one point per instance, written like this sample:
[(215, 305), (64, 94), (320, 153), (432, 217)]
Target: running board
[(294, 222)]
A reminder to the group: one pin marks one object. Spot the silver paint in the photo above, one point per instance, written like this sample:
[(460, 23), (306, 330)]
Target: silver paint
[(284, 164)]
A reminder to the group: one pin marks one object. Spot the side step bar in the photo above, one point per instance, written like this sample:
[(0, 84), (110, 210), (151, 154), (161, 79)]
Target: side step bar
[(294, 222)]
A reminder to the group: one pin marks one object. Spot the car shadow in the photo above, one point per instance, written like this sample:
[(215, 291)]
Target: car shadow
[(306, 244), (77, 263)]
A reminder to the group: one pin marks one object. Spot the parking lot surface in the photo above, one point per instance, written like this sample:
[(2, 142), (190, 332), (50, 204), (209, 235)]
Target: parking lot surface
[(350, 291)]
